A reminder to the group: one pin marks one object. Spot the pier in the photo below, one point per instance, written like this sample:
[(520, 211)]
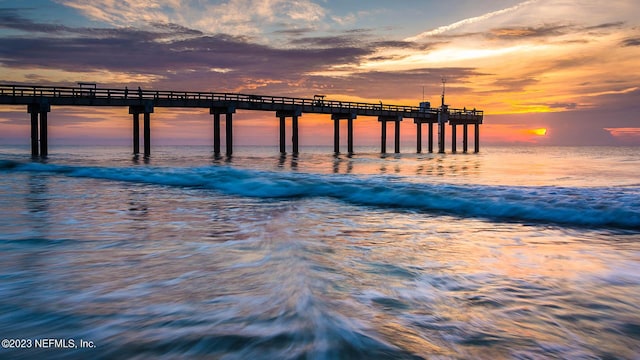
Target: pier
[(40, 99)]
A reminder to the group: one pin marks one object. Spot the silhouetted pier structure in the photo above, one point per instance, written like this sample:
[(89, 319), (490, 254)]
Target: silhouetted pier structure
[(39, 100)]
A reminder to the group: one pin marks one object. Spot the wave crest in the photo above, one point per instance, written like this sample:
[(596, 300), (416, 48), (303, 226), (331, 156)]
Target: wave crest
[(617, 207)]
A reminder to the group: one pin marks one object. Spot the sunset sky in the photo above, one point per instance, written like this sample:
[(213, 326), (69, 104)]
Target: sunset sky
[(544, 71)]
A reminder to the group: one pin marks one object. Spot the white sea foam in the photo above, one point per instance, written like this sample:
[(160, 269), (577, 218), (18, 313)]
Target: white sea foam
[(577, 206)]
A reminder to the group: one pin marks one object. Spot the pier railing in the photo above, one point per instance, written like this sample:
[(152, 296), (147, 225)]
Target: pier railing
[(320, 105)]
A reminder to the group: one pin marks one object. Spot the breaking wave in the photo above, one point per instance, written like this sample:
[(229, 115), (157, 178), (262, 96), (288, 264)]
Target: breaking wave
[(617, 207)]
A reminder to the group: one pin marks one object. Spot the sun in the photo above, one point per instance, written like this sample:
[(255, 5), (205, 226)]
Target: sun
[(540, 132)]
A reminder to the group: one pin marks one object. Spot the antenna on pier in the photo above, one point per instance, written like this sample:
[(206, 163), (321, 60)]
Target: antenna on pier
[(444, 81), (422, 93)]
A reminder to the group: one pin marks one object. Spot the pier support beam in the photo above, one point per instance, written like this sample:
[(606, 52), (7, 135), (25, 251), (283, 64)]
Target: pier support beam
[(336, 135), (228, 124), (228, 112), (430, 135), (476, 143), (336, 131), (418, 136), (428, 119), (454, 138), (39, 129), (465, 137), (34, 133), (147, 134), (350, 135), (146, 110), (44, 142), (136, 133), (294, 134), (383, 120), (397, 137), (282, 134), (216, 133), (443, 118), (383, 140), (441, 135), (283, 115)]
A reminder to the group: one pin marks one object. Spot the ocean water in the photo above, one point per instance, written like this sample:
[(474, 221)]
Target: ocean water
[(515, 252)]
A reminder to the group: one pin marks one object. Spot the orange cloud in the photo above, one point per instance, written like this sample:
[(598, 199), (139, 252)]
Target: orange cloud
[(625, 135)]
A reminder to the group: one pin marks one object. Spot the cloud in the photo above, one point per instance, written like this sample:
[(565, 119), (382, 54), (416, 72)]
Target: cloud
[(519, 32), (168, 53), (625, 135), (294, 32), (135, 51), (343, 40), (124, 12), (631, 42), (234, 17), (609, 25), (176, 29), (468, 21), (566, 106), (12, 19)]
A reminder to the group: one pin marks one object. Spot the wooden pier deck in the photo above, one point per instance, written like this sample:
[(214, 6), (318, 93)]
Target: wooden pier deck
[(40, 99)]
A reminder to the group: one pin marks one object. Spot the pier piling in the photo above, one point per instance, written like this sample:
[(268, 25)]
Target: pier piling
[(35, 151), (228, 112), (418, 137), (39, 128), (216, 133), (145, 109), (294, 133), (453, 138), (44, 141), (477, 138), (465, 137), (336, 131), (136, 133), (147, 134), (383, 141), (397, 136), (283, 115), (350, 135), (282, 133), (430, 140), (427, 118), (336, 135), (228, 122)]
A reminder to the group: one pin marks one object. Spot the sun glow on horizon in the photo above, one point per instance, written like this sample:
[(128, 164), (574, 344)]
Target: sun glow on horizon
[(539, 132)]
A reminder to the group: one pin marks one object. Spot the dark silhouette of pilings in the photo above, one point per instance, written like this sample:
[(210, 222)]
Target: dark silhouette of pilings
[(146, 110), (336, 131), (228, 112), (39, 128), (443, 118), (476, 143), (453, 138), (136, 133), (283, 115), (429, 119), (465, 136), (383, 140)]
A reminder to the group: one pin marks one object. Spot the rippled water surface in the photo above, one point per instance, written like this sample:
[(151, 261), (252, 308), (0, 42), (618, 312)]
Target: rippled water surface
[(511, 253)]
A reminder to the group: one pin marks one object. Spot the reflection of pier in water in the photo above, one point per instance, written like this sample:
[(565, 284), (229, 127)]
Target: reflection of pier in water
[(39, 100), (405, 164)]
